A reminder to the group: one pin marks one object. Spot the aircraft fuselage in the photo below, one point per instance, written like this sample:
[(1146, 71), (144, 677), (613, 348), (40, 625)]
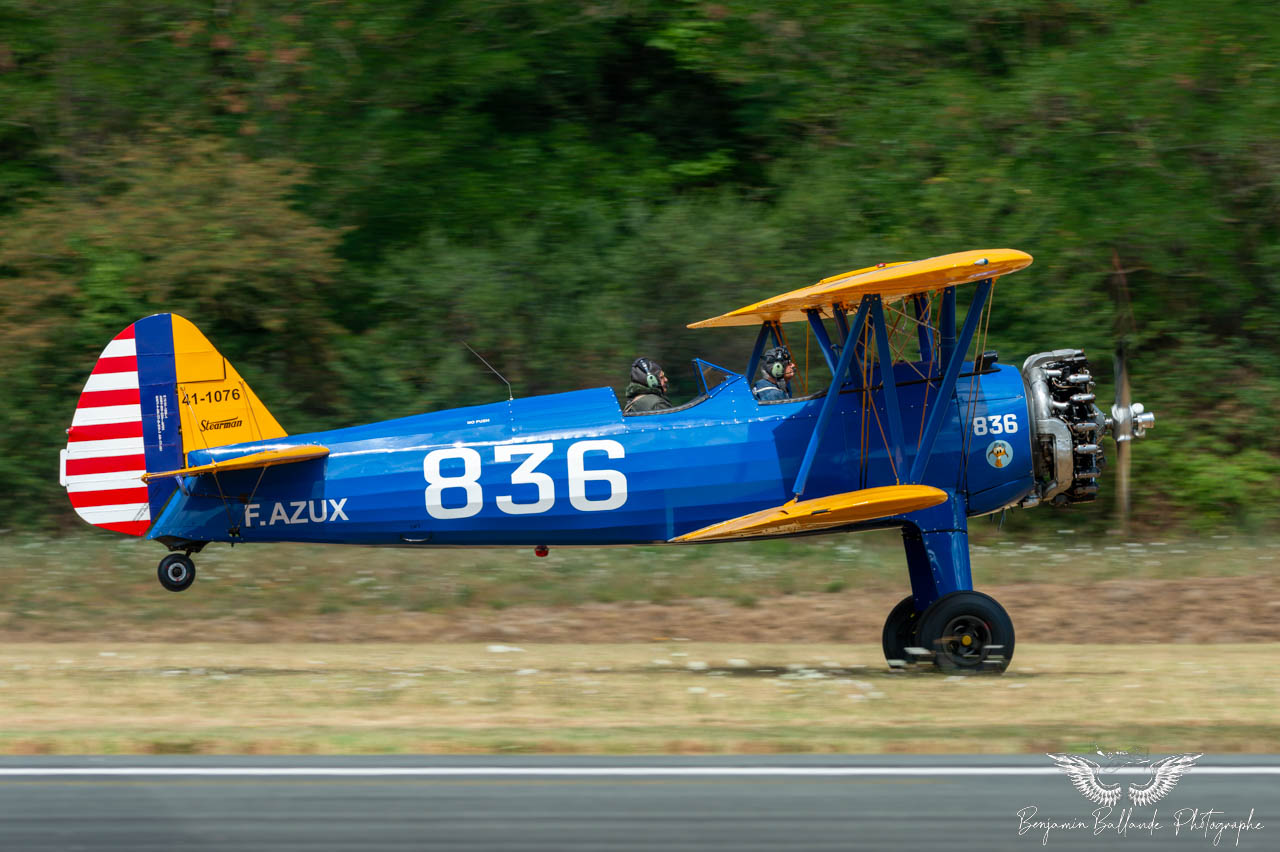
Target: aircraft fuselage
[(571, 469)]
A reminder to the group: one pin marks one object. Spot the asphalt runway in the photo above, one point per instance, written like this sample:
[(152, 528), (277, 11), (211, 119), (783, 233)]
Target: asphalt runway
[(834, 802)]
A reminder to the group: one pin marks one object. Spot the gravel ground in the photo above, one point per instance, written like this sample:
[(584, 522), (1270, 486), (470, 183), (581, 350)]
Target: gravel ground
[(1200, 610)]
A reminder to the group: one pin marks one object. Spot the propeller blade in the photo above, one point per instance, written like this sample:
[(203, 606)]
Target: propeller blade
[(1122, 484), (1122, 375), (1122, 431)]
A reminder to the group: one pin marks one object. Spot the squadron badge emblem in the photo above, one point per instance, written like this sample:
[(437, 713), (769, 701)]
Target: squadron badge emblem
[(999, 454)]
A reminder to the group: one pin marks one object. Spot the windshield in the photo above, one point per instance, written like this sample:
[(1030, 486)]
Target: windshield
[(710, 375)]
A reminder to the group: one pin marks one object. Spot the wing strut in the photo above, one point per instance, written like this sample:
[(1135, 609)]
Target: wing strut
[(757, 350), (953, 351), (947, 323), (842, 320), (829, 402), (890, 384), (824, 339)]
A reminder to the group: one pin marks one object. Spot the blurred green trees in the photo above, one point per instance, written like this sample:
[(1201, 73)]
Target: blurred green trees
[(338, 193)]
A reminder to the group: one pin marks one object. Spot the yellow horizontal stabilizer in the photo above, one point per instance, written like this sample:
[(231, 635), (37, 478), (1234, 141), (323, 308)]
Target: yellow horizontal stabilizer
[(822, 513), (888, 280), (266, 458)]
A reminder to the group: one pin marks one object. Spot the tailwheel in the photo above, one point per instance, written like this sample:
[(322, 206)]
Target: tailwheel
[(176, 572), (900, 633), (967, 632)]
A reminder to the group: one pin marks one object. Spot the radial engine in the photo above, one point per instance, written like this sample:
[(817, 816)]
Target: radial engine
[(1068, 427)]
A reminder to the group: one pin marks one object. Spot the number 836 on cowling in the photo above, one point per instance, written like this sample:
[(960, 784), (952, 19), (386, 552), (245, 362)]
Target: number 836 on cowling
[(995, 424)]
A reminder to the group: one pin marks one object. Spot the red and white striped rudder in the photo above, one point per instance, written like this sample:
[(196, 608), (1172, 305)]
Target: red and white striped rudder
[(105, 458)]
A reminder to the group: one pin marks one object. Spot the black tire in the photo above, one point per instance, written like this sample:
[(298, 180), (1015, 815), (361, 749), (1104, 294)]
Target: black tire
[(176, 572), (900, 632), (967, 632)]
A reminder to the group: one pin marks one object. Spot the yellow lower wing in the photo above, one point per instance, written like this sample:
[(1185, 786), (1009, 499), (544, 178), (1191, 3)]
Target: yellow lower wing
[(266, 458), (821, 513)]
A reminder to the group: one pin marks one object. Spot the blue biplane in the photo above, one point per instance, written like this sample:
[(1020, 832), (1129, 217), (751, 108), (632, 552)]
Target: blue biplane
[(912, 432)]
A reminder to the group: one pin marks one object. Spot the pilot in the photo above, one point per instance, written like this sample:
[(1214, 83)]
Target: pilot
[(648, 388), (778, 368)]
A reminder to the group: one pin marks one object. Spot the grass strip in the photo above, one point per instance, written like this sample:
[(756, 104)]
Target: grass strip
[(668, 697)]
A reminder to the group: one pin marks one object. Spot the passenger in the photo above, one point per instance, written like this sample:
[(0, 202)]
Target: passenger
[(778, 368), (648, 388)]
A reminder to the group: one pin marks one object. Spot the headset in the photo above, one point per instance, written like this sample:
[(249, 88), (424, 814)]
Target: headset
[(776, 360), (650, 370)]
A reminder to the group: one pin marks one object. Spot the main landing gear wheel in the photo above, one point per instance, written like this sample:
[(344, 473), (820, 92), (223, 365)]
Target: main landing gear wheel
[(900, 632), (176, 572), (967, 632)]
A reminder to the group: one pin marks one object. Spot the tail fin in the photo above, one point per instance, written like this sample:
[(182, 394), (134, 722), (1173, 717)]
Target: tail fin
[(158, 391)]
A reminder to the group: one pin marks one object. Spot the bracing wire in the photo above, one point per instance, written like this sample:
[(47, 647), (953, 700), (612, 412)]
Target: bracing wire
[(864, 367), (933, 351), (807, 333), (884, 440)]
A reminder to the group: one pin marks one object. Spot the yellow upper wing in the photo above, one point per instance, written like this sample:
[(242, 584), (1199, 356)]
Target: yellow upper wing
[(889, 280)]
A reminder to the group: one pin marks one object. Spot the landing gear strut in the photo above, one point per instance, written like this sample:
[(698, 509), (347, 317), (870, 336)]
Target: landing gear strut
[(176, 572), (962, 630)]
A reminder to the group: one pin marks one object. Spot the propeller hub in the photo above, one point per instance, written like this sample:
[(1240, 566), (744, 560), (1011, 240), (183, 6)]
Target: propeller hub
[(1129, 421)]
